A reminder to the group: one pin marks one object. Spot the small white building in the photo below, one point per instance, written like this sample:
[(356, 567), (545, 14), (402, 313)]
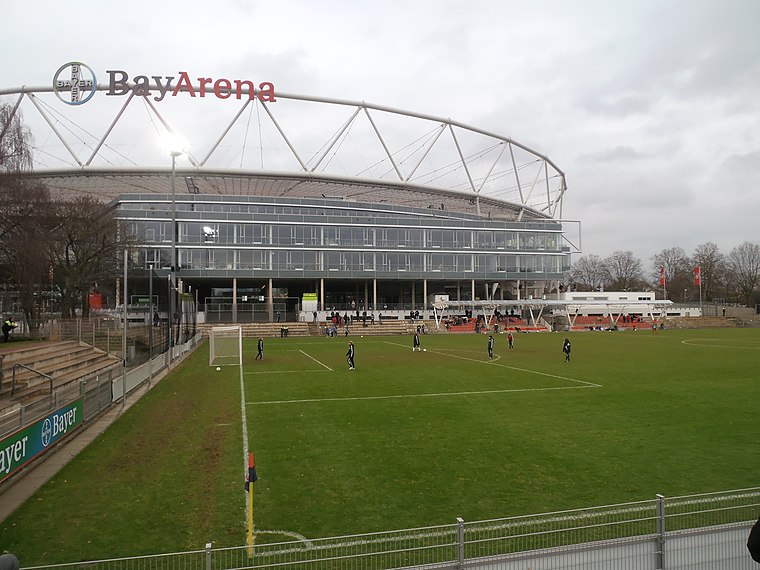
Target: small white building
[(603, 303)]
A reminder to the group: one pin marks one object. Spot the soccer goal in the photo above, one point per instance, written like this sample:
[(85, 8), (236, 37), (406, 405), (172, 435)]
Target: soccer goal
[(225, 346)]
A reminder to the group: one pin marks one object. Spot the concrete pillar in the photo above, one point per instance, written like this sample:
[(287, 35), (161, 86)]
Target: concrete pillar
[(413, 293), (322, 293), (472, 290), (374, 294), (270, 301), (424, 299), (366, 296), (234, 300)]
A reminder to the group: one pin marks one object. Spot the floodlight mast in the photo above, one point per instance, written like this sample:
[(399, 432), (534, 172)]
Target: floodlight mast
[(175, 150)]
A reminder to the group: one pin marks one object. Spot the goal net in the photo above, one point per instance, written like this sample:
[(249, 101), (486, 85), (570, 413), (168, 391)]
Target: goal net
[(225, 346)]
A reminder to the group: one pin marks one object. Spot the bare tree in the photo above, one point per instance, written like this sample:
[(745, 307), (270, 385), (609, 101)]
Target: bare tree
[(24, 216), (15, 141), (85, 247), (744, 265), (588, 273), (710, 260), (678, 271), (624, 271)]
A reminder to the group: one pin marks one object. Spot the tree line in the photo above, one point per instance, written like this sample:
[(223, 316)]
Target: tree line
[(731, 277), (50, 249)]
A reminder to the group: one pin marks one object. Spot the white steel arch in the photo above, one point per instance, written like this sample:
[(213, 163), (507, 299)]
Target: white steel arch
[(310, 136)]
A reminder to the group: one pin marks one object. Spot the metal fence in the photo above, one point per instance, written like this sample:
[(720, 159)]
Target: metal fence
[(705, 532), (99, 391)]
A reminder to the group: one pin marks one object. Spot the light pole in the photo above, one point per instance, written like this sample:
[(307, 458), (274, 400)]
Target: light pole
[(150, 325), (175, 151)]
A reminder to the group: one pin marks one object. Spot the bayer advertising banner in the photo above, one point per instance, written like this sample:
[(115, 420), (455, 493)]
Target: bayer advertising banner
[(20, 448)]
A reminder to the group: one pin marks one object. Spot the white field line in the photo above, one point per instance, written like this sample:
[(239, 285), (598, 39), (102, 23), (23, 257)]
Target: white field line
[(317, 361), (698, 342), (299, 537), (288, 371), (244, 425), (492, 363), (433, 395)]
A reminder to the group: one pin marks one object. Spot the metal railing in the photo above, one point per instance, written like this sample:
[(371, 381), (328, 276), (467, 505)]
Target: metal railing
[(707, 531), (114, 379), (33, 371)]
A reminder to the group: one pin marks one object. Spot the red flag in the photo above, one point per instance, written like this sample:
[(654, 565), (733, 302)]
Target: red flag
[(662, 275), (697, 276)]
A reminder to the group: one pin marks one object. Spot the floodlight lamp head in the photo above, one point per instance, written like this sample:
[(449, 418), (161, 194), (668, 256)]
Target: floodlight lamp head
[(174, 144)]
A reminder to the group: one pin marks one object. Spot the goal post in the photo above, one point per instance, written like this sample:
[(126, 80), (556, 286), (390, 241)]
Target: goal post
[(225, 346)]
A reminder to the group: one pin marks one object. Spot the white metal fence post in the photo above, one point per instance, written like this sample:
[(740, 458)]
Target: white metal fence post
[(208, 556), (460, 542), (660, 553)]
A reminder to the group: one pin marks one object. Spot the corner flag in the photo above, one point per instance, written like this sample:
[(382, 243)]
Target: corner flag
[(251, 476)]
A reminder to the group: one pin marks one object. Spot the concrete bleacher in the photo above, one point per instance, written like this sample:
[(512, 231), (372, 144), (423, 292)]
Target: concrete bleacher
[(387, 327), (64, 362), (266, 330), (305, 329)]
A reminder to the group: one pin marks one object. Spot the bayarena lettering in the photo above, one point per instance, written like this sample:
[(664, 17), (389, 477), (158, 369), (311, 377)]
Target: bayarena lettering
[(292, 206), (118, 84)]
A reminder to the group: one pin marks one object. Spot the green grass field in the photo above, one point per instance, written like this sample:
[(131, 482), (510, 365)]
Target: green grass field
[(405, 440)]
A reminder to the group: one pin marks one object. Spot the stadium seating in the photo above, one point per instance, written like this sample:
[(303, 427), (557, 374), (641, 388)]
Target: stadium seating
[(65, 362)]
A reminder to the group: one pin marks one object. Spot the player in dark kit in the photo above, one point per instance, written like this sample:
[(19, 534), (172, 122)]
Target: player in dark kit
[(416, 345), (260, 346), (566, 349), (511, 341), (350, 355), (490, 346)]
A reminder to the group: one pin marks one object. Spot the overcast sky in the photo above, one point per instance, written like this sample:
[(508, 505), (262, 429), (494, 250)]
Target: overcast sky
[(651, 108)]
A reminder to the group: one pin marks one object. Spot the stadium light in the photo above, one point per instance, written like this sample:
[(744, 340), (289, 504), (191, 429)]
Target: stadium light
[(176, 147)]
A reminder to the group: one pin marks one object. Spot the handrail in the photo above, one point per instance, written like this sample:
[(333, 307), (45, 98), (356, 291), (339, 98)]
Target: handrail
[(16, 366)]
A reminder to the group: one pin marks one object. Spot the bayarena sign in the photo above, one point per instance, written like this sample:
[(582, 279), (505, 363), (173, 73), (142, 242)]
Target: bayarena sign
[(75, 83)]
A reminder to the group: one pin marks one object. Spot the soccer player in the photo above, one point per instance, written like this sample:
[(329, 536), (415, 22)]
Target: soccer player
[(416, 345), (566, 349), (490, 346), (350, 355), (260, 346), (511, 341)]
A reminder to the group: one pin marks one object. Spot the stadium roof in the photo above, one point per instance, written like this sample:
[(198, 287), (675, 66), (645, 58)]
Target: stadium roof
[(296, 146)]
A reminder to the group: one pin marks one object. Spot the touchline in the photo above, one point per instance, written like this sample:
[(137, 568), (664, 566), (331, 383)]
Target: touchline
[(118, 84)]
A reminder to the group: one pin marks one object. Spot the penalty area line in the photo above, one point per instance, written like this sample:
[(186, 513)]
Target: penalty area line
[(287, 371), (433, 395), (493, 363), (317, 361)]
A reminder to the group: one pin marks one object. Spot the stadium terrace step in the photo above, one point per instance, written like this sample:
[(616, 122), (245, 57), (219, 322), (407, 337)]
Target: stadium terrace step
[(701, 322), (64, 362), (304, 329)]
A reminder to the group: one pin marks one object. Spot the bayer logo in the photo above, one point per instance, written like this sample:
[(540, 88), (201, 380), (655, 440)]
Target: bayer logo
[(74, 83), (47, 432)]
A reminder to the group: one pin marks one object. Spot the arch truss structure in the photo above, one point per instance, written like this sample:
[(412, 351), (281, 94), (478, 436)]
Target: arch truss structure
[(293, 135)]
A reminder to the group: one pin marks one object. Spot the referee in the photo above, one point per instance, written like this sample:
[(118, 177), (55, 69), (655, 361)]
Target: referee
[(490, 346)]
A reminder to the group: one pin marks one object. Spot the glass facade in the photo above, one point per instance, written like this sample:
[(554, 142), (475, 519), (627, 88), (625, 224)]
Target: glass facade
[(277, 237)]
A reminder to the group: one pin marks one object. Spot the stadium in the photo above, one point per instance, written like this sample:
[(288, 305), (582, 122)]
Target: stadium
[(277, 199), (277, 206)]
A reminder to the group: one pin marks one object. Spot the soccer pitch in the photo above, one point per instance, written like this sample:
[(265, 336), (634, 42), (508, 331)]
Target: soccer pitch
[(407, 439)]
